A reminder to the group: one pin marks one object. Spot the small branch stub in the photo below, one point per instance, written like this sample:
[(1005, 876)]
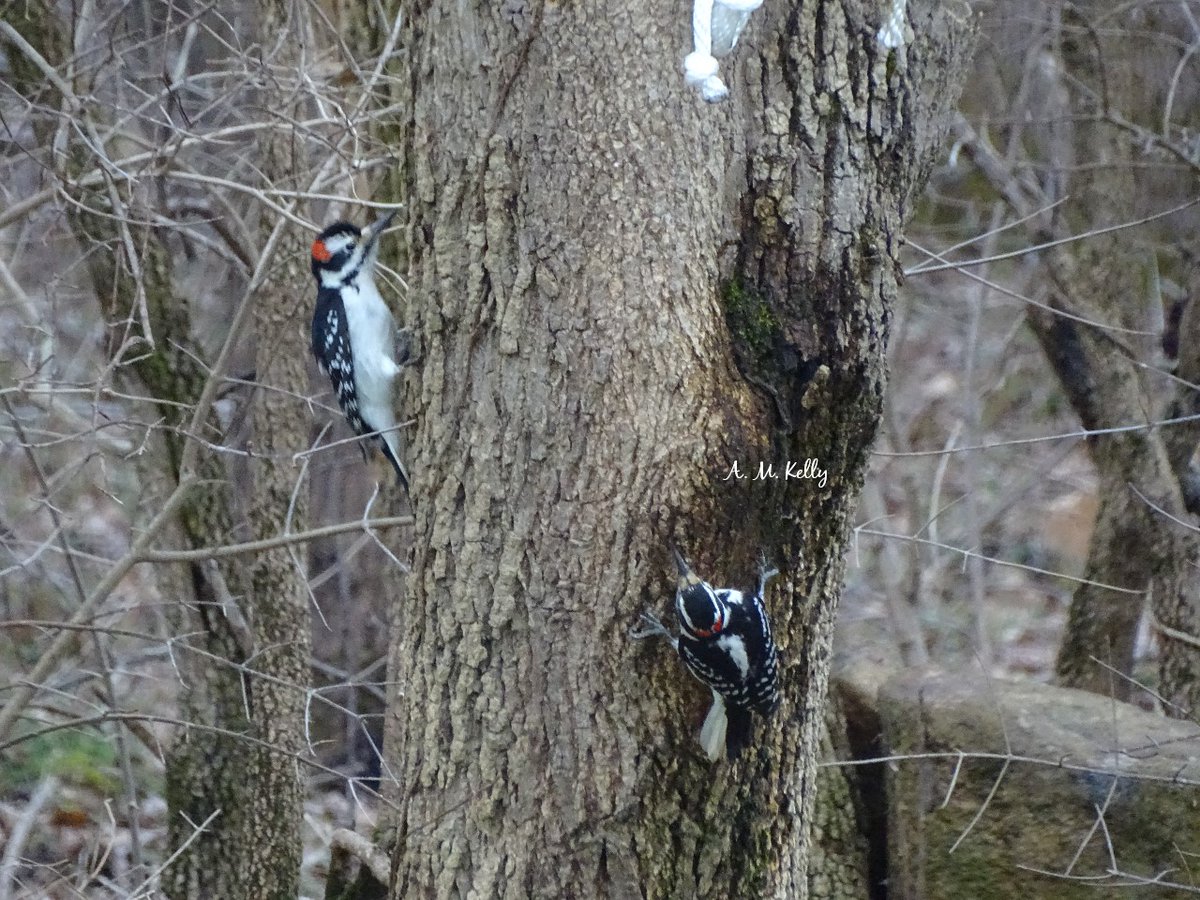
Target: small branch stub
[(345, 844)]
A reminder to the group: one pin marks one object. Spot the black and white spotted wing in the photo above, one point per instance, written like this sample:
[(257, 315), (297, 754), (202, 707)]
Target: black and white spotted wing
[(762, 689), (331, 347)]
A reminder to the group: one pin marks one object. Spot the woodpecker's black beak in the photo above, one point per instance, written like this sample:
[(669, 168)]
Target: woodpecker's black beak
[(372, 232), (687, 578)]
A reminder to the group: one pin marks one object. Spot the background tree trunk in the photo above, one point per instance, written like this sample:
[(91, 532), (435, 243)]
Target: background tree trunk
[(620, 292), (1099, 330), (253, 848)]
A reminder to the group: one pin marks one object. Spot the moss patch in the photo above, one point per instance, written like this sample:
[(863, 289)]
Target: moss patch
[(77, 757), (753, 324)]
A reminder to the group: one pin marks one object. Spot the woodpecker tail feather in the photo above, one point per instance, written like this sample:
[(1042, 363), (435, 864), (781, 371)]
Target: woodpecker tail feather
[(740, 731), (712, 732), (391, 450)]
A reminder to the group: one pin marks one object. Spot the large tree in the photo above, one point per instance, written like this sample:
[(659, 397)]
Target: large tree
[(619, 291)]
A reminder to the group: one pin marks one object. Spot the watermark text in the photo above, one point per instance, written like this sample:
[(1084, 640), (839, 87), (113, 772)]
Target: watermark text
[(807, 469)]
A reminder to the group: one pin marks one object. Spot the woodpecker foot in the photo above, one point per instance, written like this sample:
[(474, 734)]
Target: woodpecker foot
[(766, 572), (653, 627), (404, 348)]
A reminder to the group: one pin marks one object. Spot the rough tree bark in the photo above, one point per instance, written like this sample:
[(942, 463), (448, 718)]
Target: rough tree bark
[(620, 292)]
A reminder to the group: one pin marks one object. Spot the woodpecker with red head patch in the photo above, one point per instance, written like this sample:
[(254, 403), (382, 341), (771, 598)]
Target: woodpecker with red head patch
[(353, 333), (725, 641)]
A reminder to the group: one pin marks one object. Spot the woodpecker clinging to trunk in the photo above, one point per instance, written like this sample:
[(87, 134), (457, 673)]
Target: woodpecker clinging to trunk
[(725, 641), (353, 333)]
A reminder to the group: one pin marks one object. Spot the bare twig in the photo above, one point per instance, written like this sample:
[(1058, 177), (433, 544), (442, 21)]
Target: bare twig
[(146, 887), (27, 687), (15, 843), (982, 808), (98, 639), (1000, 562), (367, 526), (1068, 435), (1015, 758)]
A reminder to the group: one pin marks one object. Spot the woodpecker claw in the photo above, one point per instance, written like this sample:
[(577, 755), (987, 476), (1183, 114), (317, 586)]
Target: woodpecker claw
[(404, 342), (654, 627), (766, 572)]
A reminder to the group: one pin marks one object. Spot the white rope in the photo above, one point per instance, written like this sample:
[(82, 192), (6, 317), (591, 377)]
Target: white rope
[(891, 35), (700, 66), (716, 26), (729, 17)]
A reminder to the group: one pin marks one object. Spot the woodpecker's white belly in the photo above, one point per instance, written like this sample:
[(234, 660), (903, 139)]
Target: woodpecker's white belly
[(372, 335)]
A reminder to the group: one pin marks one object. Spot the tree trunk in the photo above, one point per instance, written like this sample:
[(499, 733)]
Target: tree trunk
[(256, 786), (621, 292)]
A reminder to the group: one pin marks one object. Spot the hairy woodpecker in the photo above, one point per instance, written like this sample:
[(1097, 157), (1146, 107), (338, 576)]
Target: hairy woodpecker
[(725, 641), (353, 334)]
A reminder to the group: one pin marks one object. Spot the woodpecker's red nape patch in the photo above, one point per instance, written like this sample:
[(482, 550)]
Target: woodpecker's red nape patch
[(716, 629), (320, 252)]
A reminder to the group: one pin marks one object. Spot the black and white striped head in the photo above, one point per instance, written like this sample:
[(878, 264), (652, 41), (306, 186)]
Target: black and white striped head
[(702, 614), (343, 250)]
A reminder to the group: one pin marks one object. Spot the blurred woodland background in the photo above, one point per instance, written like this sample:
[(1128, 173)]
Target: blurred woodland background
[(1028, 513)]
